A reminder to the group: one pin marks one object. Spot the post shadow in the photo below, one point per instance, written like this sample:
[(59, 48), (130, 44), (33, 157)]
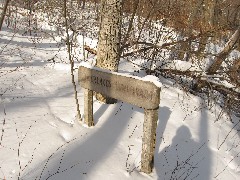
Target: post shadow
[(98, 113), (186, 158), (175, 161), (204, 139), (164, 114), (29, 44), (93, 150)]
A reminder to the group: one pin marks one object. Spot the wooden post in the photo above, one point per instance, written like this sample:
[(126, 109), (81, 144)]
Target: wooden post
[(149, 139), (141, 93), (88, 107)]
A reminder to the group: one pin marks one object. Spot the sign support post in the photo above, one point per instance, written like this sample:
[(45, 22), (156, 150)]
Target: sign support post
[(148, 140), (141, 93), (88, 107)]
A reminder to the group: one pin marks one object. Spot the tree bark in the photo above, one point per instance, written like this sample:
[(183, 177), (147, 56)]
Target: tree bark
[(201, 47), (238, 47), (4, 13), (235, 72), (209, 12), (108, 51)]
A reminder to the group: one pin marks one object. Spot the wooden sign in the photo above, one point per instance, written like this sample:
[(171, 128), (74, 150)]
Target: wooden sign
[(141, 93), (130, 89)]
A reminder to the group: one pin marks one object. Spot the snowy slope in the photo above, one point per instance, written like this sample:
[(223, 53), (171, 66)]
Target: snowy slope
[(40, 137)]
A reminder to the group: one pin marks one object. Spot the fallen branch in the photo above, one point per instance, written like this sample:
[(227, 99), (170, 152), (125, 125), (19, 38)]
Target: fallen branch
[(205, 81), (158, 46), (220, 58), (150, 45)]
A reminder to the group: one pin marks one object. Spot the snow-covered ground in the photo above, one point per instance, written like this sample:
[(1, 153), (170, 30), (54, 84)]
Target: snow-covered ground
[(40, 137)]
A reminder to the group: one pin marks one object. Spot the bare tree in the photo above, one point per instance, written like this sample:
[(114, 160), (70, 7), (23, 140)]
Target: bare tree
[(108, 51), (4, 13), (70, 59)]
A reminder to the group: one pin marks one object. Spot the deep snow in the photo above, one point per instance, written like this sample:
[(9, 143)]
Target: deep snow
[(41, 138)]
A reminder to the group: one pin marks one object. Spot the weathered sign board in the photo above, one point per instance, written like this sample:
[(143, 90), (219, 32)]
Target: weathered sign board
[(129, 89)]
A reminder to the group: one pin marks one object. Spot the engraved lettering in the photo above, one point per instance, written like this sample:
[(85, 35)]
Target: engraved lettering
[(100, 81), (140, 93), (108, 84), (143, 94)]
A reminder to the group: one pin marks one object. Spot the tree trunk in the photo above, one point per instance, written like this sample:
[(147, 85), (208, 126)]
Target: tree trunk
[(223, 54), (108, 51), (235, 72), (184, 51), (209, 12), (238, 47), (29, 5), (84, 3), (186, 46), (4, 13), (201, 48)]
